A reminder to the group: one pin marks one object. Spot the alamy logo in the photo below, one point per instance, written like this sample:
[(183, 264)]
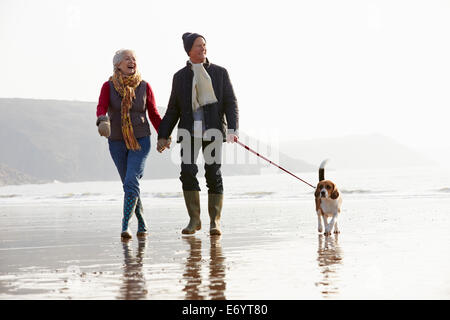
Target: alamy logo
[(215, 151)]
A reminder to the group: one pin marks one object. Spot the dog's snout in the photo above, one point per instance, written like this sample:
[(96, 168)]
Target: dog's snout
[(322, 193)]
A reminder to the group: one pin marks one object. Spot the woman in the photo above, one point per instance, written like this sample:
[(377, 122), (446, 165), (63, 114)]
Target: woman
[(121, 118)]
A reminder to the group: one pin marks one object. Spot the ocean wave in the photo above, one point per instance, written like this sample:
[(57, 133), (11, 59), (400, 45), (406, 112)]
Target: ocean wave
[(71, 195), (167, 195), (8, 196), (362, 191), (254, 194)]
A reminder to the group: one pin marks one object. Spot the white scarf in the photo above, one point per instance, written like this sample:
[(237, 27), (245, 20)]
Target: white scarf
[(202, 89)]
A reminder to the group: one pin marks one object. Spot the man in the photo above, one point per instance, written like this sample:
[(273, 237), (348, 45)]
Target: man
[(202, 98)]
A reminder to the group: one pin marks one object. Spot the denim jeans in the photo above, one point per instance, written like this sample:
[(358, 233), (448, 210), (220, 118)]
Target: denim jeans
[(130, 164), (189, 169)]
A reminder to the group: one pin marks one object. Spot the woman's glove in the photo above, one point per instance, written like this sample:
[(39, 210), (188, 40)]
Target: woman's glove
[(104, 126)]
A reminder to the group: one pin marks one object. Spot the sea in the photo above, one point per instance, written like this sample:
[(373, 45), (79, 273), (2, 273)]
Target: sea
[(272, 185)]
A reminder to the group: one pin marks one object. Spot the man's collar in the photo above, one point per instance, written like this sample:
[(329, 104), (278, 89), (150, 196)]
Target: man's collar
[(206, 64)]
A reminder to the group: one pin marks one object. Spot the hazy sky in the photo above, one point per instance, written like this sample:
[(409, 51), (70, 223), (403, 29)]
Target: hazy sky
[(302, 69)]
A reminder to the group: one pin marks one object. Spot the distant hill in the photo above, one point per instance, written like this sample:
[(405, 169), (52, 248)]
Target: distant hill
[(47, 140), (356, 152), (12, 176)]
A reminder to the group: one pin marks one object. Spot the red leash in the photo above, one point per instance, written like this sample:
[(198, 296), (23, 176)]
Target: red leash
[(261, 156)]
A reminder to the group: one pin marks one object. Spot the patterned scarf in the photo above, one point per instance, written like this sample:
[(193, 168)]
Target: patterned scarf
[(125, 86)]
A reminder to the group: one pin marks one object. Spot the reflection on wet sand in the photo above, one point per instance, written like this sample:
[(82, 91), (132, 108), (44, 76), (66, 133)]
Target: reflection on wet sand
[(329, 258), (193, 270), (134, 285), (217, 283)]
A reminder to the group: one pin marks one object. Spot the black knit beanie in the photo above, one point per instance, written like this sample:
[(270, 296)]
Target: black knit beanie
[(188, 40)]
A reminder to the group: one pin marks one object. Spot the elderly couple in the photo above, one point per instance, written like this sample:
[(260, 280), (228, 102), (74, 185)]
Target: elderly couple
[(201, 99)]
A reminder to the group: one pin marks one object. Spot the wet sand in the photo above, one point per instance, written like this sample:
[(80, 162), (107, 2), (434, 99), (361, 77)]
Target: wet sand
[(391, 249)]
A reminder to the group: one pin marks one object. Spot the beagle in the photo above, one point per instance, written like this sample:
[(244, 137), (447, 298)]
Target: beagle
[(328, 202)]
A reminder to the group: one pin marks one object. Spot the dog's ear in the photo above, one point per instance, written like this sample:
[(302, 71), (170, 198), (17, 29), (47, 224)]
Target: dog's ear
[(316, 194), (335, 194)]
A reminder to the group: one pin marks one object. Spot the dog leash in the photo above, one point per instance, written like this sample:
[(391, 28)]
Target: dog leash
[(271, 162)]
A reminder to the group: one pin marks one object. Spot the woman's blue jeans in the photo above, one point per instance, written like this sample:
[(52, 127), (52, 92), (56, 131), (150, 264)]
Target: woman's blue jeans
[(130, 164)]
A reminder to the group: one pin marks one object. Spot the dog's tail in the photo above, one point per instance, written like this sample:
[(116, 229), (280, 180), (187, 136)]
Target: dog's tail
[(322, 170)]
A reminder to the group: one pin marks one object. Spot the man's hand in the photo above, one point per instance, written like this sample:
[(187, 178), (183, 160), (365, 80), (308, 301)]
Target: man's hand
[(163, 144), (231, 138)]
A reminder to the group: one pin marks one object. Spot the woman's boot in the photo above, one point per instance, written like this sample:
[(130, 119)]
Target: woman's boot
[(192, 200), (129, 206), (215, 202), (142, 226)]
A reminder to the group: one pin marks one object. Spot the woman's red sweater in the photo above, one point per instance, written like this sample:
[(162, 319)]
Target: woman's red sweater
[(153, 114)]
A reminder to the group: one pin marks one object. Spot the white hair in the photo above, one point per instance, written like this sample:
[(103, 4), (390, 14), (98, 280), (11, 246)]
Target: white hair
[(118, 56)]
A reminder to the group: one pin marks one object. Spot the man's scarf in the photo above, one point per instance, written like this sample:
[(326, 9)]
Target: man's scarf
[(126, 86), (202, 88)]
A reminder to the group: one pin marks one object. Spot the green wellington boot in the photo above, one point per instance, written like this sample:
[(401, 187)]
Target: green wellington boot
[(215, 202), (192, 200)]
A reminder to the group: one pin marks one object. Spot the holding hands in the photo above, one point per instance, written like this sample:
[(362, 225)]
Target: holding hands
[(163, 144)]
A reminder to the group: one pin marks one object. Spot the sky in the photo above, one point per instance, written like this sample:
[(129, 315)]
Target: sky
[(300, 69)]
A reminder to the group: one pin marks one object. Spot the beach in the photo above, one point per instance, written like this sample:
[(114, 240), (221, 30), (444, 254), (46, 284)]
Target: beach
[(58, 242)]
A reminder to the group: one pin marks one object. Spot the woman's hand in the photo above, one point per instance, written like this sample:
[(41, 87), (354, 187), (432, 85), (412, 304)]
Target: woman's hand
[(163, 144), (104, 126)]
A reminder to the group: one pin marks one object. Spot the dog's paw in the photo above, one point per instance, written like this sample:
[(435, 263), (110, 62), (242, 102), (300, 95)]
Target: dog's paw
[(336, 231), (327, 233)]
